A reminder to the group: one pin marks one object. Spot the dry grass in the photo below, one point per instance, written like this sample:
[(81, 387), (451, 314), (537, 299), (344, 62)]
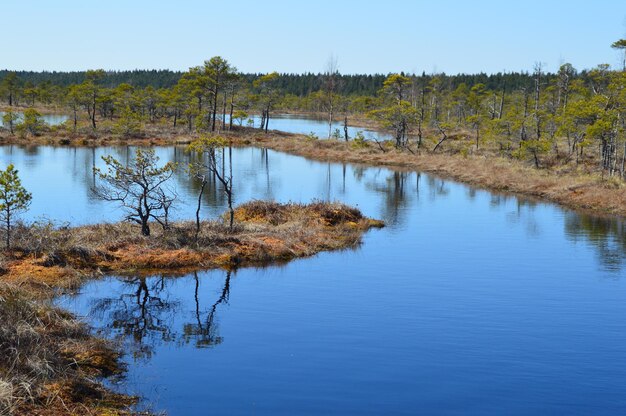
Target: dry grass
[(574, 186), (46, 257), (560, 180), (49, 361)]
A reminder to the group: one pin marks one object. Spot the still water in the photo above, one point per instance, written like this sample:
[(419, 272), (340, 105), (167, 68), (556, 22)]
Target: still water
[(50, 119), (290, 123), (300, 124), (468, 302)]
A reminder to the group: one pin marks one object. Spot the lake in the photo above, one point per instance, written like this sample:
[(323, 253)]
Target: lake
[(289, 123), (301, 124), (50, 119), (468, 302)]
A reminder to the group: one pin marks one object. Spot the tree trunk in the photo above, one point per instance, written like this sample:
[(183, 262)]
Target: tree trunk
[(262, 126), (215, 104), (204, 181), (223, 111), (8, 225), (330, 119), (145, 227), (93, 112), (443, 138), (537, 96), (623, 159), (419, 134), (477, 135), (230, 121)]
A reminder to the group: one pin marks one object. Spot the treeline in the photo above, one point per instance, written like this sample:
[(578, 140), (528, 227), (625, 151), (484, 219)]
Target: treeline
[(139, 78), (299, 85)]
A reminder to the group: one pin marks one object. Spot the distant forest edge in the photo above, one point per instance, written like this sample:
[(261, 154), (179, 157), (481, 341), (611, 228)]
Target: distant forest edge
[(295, 84)]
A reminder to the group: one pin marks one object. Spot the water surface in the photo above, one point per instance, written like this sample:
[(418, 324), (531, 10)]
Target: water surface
[(468, 302), (302, 124), (50, 119)]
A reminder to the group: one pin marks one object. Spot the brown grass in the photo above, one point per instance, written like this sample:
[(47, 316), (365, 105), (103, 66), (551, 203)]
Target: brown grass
[(49, 361), (576, 187), (45, 257), (561, 180)]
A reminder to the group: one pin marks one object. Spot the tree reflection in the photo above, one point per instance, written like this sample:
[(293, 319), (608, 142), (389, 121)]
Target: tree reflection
[(145, 315), (205, 330), (140, 315), (395, 192), (437, 187), (607, 235)]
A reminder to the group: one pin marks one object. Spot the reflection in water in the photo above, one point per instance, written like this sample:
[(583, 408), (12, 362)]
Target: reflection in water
[(205, 330), (397, 197), (50, 119), (523, 213), (265, 174), (143, 315), (463, 291), (140, 315), (606, 234), (438, 187), (319, 126)]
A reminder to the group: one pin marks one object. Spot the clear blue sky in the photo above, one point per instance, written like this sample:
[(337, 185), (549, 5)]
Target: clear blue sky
[(293, 36)]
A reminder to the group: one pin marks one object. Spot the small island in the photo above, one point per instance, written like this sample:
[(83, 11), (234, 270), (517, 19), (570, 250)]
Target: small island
[(50, 340)]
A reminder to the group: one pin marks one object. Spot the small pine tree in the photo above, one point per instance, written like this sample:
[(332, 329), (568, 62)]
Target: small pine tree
[(13, 200), (32, 123)]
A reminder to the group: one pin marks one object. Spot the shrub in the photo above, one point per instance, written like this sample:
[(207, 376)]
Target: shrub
[(359, 140), (31, 124)]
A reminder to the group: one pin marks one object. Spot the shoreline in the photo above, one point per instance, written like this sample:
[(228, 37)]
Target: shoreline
[(265, 233), (581, 192), (572, 189)]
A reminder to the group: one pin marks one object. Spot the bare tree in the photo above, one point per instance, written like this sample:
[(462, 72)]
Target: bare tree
[(537, 115), (330, 86), (213, 163), (139, 187), (198, 170)]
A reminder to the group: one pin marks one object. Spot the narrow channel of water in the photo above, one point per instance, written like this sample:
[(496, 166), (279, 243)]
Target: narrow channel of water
[(296, 123)]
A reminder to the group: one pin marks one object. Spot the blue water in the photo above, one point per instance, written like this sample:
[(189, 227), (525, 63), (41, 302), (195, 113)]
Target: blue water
[(290, 123), (296, 123), (468, 302), (50, 119)]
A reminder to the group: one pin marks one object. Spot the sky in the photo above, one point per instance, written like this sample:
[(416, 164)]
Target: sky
[(296, 37)]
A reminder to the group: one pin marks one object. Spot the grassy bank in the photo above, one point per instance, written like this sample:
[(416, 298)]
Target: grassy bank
[(264, 233), (50, 360), (577, 185)]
